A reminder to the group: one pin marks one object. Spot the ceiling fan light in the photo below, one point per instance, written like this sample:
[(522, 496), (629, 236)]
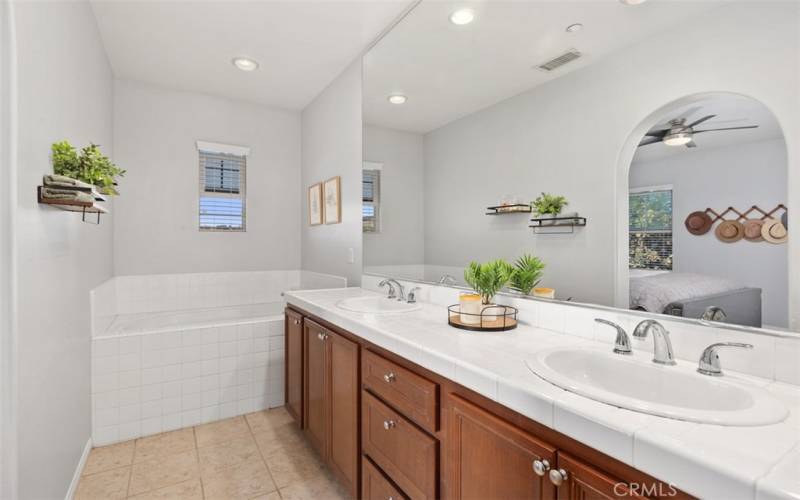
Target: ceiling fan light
[(678, 139)]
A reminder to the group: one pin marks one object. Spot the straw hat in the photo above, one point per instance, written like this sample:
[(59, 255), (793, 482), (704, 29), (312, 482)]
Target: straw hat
[(698, 223), (774, 231), (730, 231), (752, 230)]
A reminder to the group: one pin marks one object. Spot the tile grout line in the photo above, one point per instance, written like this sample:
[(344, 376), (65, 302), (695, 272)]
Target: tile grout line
[(261, 453)]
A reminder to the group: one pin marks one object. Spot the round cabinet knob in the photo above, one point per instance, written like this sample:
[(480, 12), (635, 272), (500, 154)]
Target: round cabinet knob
[(321, 336), (540, 467), (389, 424), (389, 377), (558, 476), (297, 322)]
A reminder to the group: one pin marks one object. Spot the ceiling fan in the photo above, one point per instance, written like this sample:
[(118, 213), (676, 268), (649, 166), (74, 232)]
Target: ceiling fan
[(678, 133)]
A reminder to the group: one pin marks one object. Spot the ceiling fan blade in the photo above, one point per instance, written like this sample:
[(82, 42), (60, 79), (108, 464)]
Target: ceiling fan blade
[(701, 120), (657, 133), (691, 144), (729, 128), (649, 140)]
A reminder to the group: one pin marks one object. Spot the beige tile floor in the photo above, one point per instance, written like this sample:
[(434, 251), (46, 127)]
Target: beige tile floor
[(260, 455)]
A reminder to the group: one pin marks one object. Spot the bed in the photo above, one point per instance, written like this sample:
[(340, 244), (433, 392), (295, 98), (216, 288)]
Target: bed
[(689, 295)]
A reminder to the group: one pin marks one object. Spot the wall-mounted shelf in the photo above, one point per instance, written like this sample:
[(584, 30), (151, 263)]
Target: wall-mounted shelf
[(76, 206), (509, 209), (557, 225)]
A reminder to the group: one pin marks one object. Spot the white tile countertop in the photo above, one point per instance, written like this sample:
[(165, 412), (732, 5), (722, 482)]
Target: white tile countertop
[(708, 461)]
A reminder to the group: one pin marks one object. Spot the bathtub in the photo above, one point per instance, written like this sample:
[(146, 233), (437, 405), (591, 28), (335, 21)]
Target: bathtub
[(177, 350), (160, 371), (154, 322)]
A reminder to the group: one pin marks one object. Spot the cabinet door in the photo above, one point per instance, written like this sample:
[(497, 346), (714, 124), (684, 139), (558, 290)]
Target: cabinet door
[(490, 458), (315, 367), (585, 482), (343, 405), (293, 333)]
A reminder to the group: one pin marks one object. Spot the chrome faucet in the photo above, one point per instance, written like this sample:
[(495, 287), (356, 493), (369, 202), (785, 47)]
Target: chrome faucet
[(447, 279), (411, 296), (394, 289), (714, 313), (622, 344), (662, 346), (709, 360)]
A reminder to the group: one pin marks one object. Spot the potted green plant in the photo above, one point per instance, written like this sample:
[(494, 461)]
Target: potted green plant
[(548, 206), (90, 166), (527, 273), (487, 279)]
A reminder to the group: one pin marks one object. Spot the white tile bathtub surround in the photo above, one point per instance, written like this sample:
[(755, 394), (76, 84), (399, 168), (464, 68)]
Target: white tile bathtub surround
[(708, 461), (149, 383), (171, 292), (774, 357)]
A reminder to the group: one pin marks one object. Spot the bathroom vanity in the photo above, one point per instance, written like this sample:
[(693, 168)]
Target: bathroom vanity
[(401, 406), (389, 428)]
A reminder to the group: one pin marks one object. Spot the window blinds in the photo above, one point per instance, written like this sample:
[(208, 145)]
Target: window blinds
[(222, 191), (370, 198)]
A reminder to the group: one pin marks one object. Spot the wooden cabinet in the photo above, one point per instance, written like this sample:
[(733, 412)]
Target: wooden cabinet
[(490, 458), (423, 436), (375, 485), (581, 481), (416, 397), (331, 397), (293, 376), (408, 455)]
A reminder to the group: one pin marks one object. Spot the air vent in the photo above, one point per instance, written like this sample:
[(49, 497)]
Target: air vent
[(560, 60)]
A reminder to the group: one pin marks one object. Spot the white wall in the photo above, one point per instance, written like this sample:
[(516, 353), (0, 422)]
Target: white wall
[(571, 136), (400, 240), (157, 213), (65, 92), (8, 190), (331, 145), (740, 176)]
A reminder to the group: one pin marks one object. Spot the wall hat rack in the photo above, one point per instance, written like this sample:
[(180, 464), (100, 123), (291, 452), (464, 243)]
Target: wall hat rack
[(754, 224)]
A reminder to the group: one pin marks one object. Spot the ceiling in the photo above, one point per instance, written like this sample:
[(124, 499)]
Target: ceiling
[(732, 111), (450, 71), (300, 45)]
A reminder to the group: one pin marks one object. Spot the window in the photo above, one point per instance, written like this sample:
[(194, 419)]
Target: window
[(650, 226), (370, 197), (222, 187)]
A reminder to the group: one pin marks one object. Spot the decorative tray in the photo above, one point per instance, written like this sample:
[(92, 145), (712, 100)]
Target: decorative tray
[(491, 319)]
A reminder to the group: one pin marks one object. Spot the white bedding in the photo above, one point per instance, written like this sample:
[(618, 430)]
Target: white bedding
[(654, 293)]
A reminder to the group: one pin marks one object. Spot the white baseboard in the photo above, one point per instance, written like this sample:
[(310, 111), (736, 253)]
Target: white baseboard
[(73, 486)]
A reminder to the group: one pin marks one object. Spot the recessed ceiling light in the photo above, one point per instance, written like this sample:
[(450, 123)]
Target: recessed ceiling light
[(632, 2), (245, 64), (572, 28), (397, 99), (462, 17)]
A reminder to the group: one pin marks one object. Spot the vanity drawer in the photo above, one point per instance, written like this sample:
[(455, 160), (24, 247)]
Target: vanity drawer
[(414, 396), (375, 485), (408, 455)]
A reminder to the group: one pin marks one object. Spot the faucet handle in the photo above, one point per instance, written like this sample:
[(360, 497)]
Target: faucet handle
[(709, 361), (392, 291), (411, 296), (622, 344)]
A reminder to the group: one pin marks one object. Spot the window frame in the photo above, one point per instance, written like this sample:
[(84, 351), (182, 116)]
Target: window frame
[(224, 149), (671, 231), (376, 198)]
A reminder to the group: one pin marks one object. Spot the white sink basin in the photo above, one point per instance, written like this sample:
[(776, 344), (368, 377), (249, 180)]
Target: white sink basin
[(666, 391), (376, 305)]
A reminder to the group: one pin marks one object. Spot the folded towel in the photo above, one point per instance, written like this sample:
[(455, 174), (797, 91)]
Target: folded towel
[(60, 194), (64, 181)]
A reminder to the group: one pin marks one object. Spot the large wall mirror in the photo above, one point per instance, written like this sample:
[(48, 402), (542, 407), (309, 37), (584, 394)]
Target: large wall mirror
[(638, 151)]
